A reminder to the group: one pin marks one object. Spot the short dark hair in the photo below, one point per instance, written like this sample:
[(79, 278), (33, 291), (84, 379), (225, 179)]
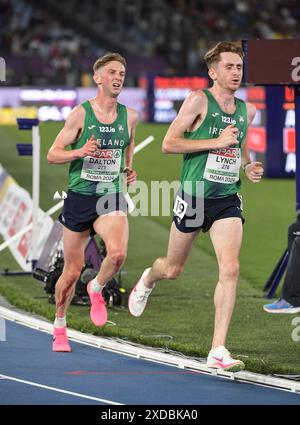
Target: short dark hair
[(108, 57), (213, 55)]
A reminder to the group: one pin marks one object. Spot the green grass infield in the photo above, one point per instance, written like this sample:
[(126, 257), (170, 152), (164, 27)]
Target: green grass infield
[(180, 313)]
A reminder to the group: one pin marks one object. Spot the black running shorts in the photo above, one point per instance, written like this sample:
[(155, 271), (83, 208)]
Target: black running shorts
[(80, 211), (192, 213)]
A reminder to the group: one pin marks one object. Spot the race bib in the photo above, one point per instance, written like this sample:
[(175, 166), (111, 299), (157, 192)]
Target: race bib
[(180, 207), (223, 165), (103, 166)]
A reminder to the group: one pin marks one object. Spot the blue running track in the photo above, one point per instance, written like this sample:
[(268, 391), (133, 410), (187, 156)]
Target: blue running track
[(31, 374)]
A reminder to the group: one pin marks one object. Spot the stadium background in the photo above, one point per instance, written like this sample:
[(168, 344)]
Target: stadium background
[(49, 50)]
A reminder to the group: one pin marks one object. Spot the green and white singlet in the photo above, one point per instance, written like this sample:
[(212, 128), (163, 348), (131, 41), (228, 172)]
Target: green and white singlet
[(218, 169), (100, 173)]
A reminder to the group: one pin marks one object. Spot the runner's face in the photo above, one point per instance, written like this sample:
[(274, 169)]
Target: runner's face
[(228, 72), (111, 77)]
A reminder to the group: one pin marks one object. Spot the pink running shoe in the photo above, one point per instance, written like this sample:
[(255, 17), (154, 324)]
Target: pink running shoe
[(98, 313), (60, 340), (220, 358)]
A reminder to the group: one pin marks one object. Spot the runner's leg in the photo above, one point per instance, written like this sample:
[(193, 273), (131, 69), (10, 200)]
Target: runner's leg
[(113, 229), (226, 236), (74, 244), (171, 266)]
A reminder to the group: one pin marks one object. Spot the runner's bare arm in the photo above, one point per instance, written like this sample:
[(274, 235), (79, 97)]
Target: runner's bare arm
[(58, 154), (253, 170), (251, 111), (132, 123), (194, 105)]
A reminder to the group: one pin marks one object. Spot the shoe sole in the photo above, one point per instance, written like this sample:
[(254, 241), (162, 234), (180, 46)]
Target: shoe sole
[(234, 368), (283, 310), (132, 314), (129, 298), (68, 350)]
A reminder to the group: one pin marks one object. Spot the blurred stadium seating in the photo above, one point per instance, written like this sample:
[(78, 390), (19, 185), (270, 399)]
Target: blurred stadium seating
[(54, 43)]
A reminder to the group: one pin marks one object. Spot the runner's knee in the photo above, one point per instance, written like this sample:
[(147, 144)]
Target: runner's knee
[(229, 272), (71, 275), (117, 258)]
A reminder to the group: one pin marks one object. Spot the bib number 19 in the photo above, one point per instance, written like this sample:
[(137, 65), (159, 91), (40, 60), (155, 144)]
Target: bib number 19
[(180, 207)]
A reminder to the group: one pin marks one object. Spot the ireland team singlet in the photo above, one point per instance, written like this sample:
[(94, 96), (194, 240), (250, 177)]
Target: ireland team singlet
[(100, 173), (217, 168)]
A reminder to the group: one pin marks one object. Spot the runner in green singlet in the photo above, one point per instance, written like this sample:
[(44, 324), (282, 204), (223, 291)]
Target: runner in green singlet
[(210, 131), (100, 134), (219, 168)]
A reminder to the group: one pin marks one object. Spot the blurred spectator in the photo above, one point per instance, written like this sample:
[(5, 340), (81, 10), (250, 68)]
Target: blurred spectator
[(177, 31)]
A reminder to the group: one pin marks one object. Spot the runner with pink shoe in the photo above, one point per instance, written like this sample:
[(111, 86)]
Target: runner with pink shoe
[(100, 133), (210, 131)]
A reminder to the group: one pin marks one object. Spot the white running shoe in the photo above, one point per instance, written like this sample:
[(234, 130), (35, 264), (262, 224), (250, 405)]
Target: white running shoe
[(137, 300), (220, 358)]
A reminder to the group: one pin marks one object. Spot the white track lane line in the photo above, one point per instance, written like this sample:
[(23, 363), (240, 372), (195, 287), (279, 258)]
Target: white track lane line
[(143, 144), (59, 390)]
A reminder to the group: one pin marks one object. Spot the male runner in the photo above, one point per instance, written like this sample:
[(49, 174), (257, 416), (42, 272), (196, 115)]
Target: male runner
[(210, 130), (100, 133)]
